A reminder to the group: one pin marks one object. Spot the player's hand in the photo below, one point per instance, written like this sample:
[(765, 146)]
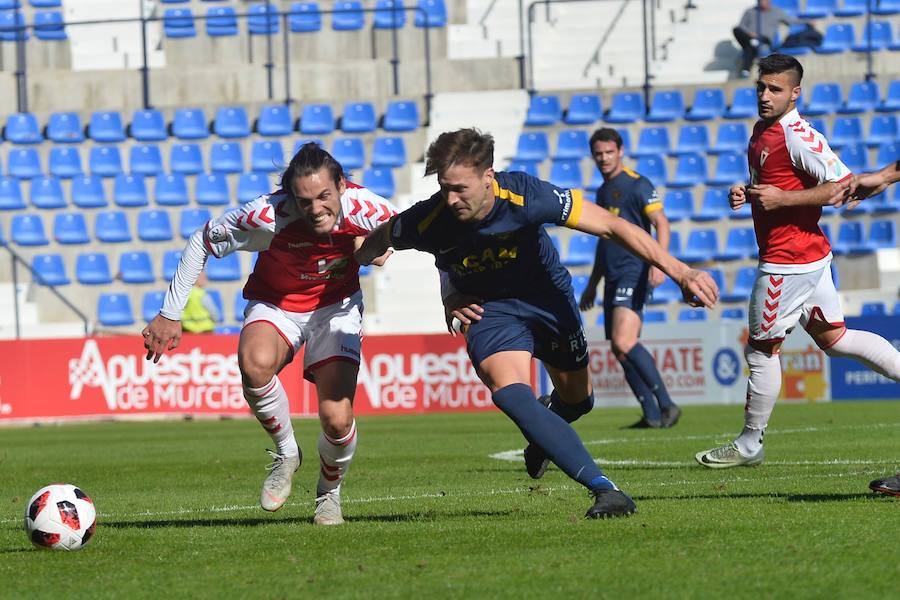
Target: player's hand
[(379, 261), (161, 334), (698, 288), (864, 186), (736, 197), (767, 197), (588, 297), (656, 277), (466, 309)]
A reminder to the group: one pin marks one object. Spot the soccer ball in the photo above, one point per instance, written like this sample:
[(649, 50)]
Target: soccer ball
[(60, 517)]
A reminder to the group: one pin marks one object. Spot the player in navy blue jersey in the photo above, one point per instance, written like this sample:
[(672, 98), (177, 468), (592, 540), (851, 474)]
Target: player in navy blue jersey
[(514, 299), (628, 280)]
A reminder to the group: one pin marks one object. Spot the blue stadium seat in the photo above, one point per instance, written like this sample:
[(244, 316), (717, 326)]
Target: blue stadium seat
[(105, 161), (584, 109), (388, 151), (348, 16), (317, 119), (305, 17), (151, 303), (882, 235), (433, 13), (65, 128), (886, 202), (145, 159), (653, 168), (596, 179), (179, 23), (627, 107), (731, 137), (24, 163), (846, 131), (171, 190), (129, 191), (11, 194), (401, 115), (358, 117), (266, 156), (532, 146), (28, 230), (190, 124), (743, 285), (855, 157), (625, 134), (579, 283), (148, 126), (211, 189), (891, 102), (733, 314), (193, 219), (873, 309), (216, 298), (655, 316), (49, 269), (389, 14), (114, 310), (881, 37), (227, 268), (743, 104), (13, 26), (106, 126), (825, 99), (791, 7), (678, 204), (739, 244), (111, 227), (690, 170), (818, 9), (702, 245), (718, 275), (527, 166), (226, 157), (88, 192), (154, 226), (240, 303), (665, 292), (838, 38), (70, 228), (667, 105), (185, 159), (852, 8), (231, 122), (886, 7), (863, 97), (819, 125), (714, 207), (251, 186), (652, 141), (887, 153), (708, 104), (692, 138), (22, 128), (883, 129), (263, 19), (92, 268), (135, 267), (274, 121), (45, 3), (850, 239), (350, 152), (572, 144), (170, 264), (64, 162), (543, 110), (221, 21), (566, 174), (380, 181), (47, 194), (730, 169), (692, 314), (582, 249)]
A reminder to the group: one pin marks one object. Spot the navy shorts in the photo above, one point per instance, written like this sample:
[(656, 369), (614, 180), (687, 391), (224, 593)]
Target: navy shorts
[(630, 291), (548, 327)]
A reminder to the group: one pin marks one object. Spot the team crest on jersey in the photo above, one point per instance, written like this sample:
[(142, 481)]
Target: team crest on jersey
[(763, 156), (217, 234), (616, 195)]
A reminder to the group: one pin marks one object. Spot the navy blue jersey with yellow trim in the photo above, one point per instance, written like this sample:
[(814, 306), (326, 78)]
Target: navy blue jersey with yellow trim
[(505, 255), (632, 197)]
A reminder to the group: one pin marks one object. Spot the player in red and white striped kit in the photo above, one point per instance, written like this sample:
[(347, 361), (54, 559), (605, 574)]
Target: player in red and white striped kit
[(793, 174), (304, 289)]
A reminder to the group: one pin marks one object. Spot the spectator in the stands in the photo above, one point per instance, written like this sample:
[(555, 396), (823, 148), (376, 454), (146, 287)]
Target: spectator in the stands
[(757, 28)]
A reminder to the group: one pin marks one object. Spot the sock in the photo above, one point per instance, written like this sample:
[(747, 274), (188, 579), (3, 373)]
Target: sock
[(270, 405), (570, 412), (646, 366), (551, 433), (335, 456), (762, 392), (870, 349), (640, 390)]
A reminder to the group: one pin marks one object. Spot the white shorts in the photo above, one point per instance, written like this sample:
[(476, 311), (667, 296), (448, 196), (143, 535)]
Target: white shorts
[(332, 332), (779, 301)]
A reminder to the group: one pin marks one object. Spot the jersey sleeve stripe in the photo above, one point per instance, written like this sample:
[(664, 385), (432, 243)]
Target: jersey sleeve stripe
[(575, 213), (505, 194), (427, 221), (652, 207)]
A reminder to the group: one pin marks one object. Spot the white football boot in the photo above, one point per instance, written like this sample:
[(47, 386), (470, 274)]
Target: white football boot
[(277, 487), (727, 456), (328, 508)]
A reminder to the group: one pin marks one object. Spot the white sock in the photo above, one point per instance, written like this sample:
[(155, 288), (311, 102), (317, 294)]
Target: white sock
[(335, 456), (270, 405), (762, 392), (870, 349)]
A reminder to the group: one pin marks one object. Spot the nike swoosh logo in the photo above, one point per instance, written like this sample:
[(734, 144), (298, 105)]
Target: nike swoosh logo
[(446, 250), (581, 356)]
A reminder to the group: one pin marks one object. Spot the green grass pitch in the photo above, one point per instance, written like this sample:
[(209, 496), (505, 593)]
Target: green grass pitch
[(432, 511)]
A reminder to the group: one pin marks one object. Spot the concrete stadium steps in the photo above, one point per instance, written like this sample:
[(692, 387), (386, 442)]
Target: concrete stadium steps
[(406, 296)]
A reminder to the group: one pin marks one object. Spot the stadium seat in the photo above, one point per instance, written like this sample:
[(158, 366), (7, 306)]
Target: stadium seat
[(702, 245), (818, 9), (883, 129), (743, 104), (350, 152), (850, 239), (873, 309), (190, 124), (13, 26), (579, 283), (170, 264), (887, 153), (135, 267), (154, 226), (388, 151), (692, 138), (526, 166), (886, 7), (584, 109), (655, 316), (432, 13), (70, 228), (305, 17), (129, 191), (185, 159), (731, 168), (708, 104), (231, 122), (566, 174), (221, 21), (171, 190), (47, 194), (22, 128), (733, 314), (148, 126), (692, 314), (317, 119), (825, 99), (11, 194), (532, 146), (690, 171), (791, 7), (193, 219), (882, 235), (652, 141), (389, 14), (731, 137), (380, 181), (625, 134), (348, 16), (543, 110), (596, 179), (24, 163), (240, 303), (845, 131), (65, 128), (263, 19), (92, 268), (227, 268), (105, 161), (678, 204), (855, 157), (251, 186), (838, 38), (114, 310), (106, 126), (627, 107), (852, 8), (49, 26), (714, 207), (667, 105), (111, 227), (28, 230), (274, 121), (863, 97), (881, 37), (226, 157), (266, 156), (211, 189), (151, 303), (64, 162), (179, 23), (401, 115), (88, 192), (45, 3), (572, 144), (653, 168), (739, 244), (49, 269), (582, 250), (145, 159), (891, 102), (358, 117), (665, 292)]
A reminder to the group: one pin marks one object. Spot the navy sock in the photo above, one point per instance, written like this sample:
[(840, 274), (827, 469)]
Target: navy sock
[(551, 433), (643, 360), (643, 394), (570, 412)]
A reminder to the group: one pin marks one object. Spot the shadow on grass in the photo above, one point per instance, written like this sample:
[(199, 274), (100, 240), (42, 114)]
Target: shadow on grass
[(15, 550), (773, 495)]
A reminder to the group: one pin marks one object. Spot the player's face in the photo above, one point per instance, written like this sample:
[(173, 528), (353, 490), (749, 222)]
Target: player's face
[(775, 95), (468, 192), (608, 157), (319, 200)]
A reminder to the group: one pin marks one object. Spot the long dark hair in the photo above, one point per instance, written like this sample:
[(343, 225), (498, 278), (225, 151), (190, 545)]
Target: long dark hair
[(310, 159)]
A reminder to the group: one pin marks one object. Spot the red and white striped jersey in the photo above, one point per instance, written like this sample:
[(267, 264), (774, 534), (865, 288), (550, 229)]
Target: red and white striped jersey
[(791, 155), (297, 270)]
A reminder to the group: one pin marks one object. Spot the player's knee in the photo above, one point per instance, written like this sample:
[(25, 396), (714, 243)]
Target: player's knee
[(257, 366), (622, 345), (336, 423)]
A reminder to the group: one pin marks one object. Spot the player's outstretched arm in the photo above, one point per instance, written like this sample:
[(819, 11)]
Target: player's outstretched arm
[(870, 184), (589, 295), (376, 244), (769, 198)]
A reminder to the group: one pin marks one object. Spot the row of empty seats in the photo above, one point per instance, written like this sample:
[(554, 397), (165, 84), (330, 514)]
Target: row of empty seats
[(47, 26), (820, 9)]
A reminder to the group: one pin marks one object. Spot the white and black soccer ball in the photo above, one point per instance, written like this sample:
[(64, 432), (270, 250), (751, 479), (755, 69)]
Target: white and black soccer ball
[(60, 517)]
